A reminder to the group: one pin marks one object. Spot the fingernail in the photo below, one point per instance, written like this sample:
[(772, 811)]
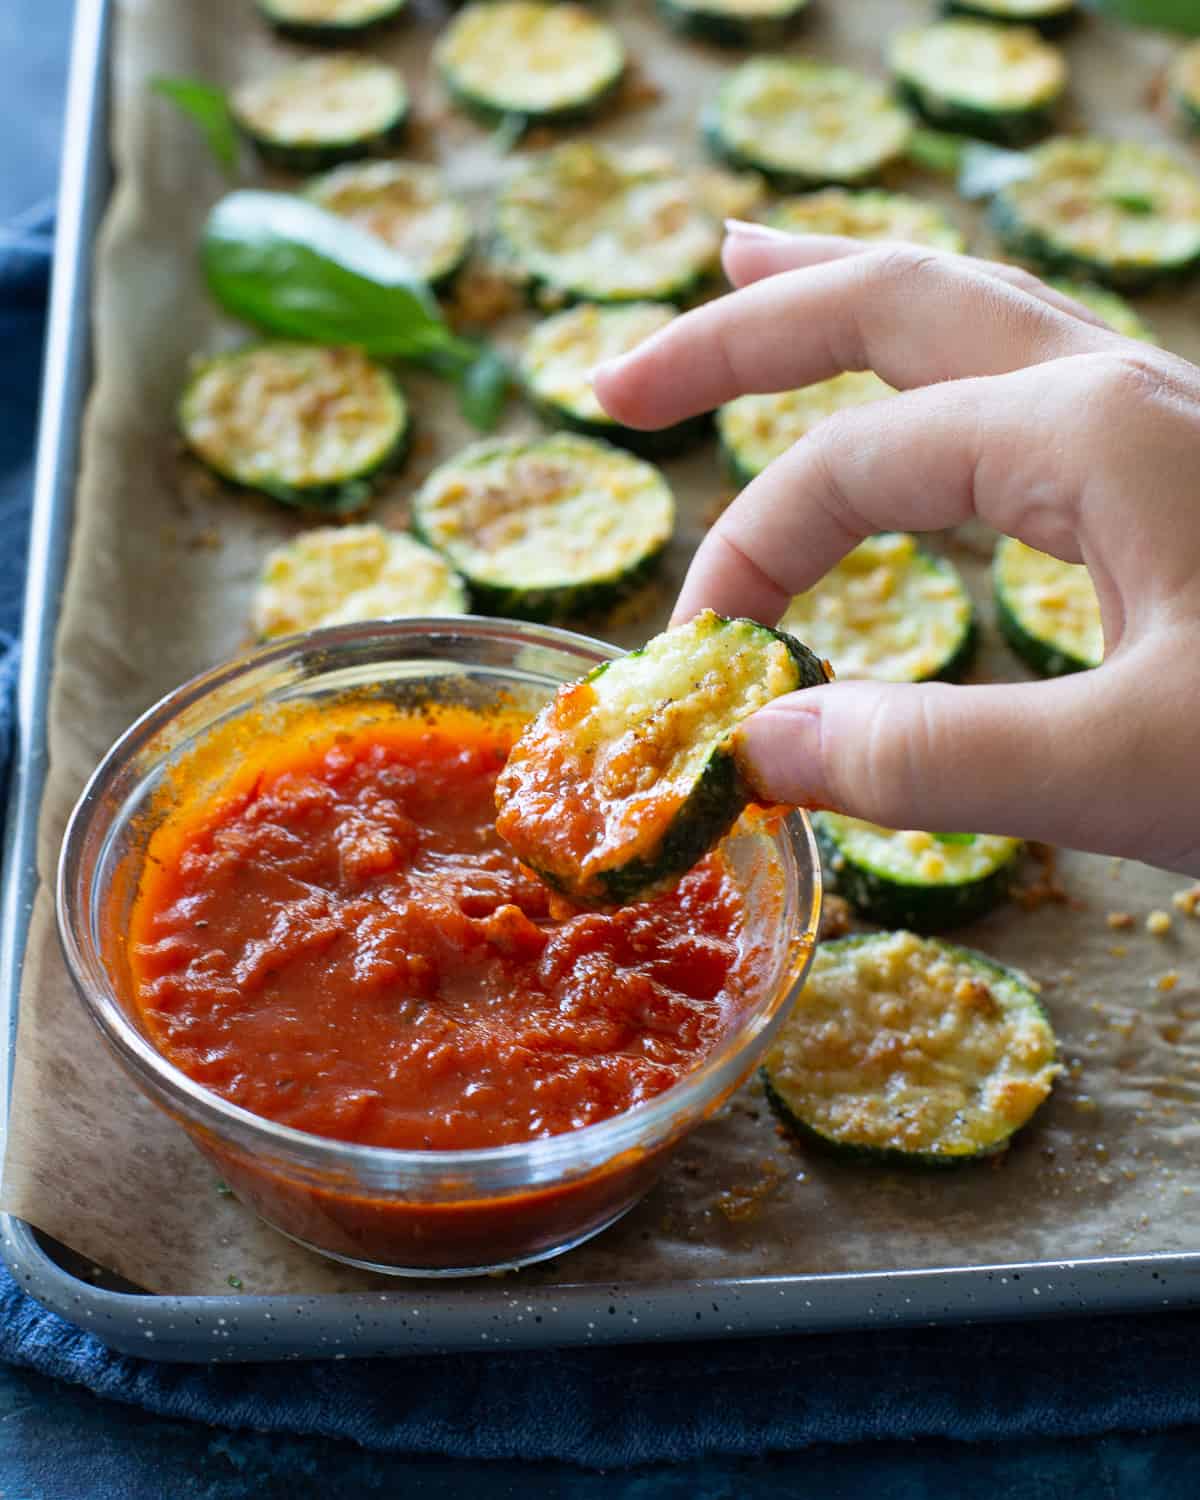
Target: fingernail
[(779, 752), (742, 229)]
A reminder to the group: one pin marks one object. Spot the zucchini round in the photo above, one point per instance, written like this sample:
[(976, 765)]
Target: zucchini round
[(1111, 306), (405, 205), (544, 61), (1050, 17), (323, 111), (334, 575), (329, 21), (870, 214), (309, 425), (734, 23), (587, 223), (1001, 83), (1116, 212), (559, 353), (1184, 84), (1046, 609), (910, 1051), (547, 528), (905, 877), (755, 430), (805, 124), (889, 611), (630, 776)]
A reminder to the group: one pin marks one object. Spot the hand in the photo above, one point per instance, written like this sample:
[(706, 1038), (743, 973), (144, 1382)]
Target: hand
[(1018, 407)]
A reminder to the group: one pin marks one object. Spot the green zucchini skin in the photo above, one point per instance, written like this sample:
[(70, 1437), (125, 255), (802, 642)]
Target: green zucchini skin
[(781, 181), (655, 445), (307, 159), (895, 1156), (956, 667), (919, 907), (331, 33), (1054, 23), (1005, 127), (728, 29), (1045, 658)]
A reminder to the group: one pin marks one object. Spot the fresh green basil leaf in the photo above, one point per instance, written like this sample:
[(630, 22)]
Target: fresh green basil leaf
[(290, 268), (955, 838), (984, 170), (483, 388), (209, 108)]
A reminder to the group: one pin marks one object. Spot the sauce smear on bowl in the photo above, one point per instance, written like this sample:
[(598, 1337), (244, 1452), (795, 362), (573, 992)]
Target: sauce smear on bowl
[(342, 943)]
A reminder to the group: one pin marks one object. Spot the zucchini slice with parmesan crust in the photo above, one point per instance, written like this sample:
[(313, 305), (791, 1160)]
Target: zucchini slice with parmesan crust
[(589, 223), (870, 214), (806, 124), (325, 110), (1046, 609), (308, 425), (1050, 17), (734, 23), (561, 350), (334, 575), (630, 776), (1001, 83), (756, 430), (1117, 212), (332, 21), (546, 528), (1111, 306), (545, 61), (405, 205), (909, 1051), (905, 877), (1184, 83), (889, 611)]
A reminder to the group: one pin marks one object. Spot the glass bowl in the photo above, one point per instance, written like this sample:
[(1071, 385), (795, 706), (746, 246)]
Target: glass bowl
[(405, 1212)]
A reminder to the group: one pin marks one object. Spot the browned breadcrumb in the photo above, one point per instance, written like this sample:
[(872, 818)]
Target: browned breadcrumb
[(1120, 920), (719, 506), (1118, 950), (1169, 980), (539, 138), (1187, 901), (835, 919), (1045, 888), (637, 91), (745, 1201), (483, 294), (1158, 923)]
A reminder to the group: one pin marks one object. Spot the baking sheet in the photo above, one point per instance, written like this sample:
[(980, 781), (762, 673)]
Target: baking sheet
[(1104, 1174)]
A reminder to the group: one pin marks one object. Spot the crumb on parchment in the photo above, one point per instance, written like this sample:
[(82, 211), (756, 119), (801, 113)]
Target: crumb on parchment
[(1187, 901), (1158, 923)]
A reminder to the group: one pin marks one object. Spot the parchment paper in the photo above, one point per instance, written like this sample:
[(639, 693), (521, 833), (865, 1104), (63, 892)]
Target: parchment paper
[(158, 588)]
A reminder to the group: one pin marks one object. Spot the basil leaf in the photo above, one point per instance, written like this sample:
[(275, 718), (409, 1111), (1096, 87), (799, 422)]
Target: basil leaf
[(483, 388), (291, 268), (209, 108), (955, 838)]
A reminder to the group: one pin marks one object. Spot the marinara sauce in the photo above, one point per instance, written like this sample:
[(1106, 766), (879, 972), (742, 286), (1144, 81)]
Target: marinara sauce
[(342, 943)]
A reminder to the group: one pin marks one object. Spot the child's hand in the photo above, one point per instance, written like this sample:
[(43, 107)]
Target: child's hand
[(1019, 408)]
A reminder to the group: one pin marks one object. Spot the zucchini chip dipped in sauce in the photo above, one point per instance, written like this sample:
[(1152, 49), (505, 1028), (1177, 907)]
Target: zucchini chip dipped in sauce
[(325, 110), (333, 575), (907, 1050), (309, 425), (630, 776)]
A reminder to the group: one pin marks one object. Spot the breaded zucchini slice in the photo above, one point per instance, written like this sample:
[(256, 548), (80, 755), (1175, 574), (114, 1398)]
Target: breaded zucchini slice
[(329, 21), (806, 124), (334, 575), (905, 877), (408, 207), (559, 353), (1184, 83), (869, 214), (735, 23), (592, 223), (546, 528), (889, 611), (1049, 16), (1046, 609), (630, 776), (912, 1051), (756, 430), (1117, 212), (309, 425), (1111, 306), (1001, 83), (545, 61), (314, 114)]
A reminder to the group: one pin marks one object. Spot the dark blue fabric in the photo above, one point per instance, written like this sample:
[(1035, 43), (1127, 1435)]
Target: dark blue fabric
[(598, 1407)]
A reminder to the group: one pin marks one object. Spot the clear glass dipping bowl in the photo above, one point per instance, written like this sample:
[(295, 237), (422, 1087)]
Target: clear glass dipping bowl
[(421, 1213)]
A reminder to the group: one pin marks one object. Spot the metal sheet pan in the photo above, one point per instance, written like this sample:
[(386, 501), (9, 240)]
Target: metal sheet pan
[(410, 1318)]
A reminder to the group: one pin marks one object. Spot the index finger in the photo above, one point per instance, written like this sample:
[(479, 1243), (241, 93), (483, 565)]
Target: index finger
[(913, 316)]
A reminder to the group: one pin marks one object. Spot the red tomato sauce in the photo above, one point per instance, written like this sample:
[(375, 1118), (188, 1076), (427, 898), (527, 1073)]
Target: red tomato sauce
[(343, 944)]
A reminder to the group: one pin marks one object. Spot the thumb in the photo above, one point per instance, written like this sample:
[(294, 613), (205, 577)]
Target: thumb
[(1060, 761)]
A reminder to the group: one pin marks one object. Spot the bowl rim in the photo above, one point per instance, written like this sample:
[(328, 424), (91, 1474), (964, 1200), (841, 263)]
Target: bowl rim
[(545, 1159)]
